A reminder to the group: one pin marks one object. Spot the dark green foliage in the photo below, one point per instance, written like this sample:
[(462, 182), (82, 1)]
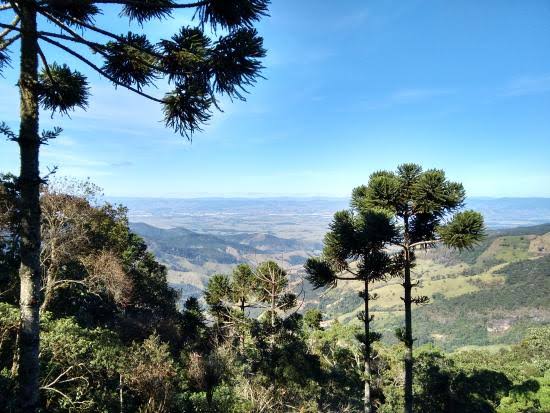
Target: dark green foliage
[(4, 56), (225, 294), (230, 14), (196, 67), (171, 361), (242, 285), (62, 89), (9, 243), (464, 231), (510, 381), (130, 61), (312, 319), (354, 249), (218, 290), (271, 279), (194, 326), (185, 54), (235, 61), (187, 108), (322, 275), (145, 10), (70, 11)]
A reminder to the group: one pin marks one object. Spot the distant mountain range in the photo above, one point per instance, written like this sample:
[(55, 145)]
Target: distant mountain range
[(512, 212), (192, 257), (300, 218)]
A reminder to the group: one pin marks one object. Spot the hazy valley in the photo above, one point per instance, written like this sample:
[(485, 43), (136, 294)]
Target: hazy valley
[(488, 296)]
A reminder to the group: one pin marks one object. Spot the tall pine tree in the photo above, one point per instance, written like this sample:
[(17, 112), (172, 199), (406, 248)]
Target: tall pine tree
[(426, 205), (197, 68), (354, 249)]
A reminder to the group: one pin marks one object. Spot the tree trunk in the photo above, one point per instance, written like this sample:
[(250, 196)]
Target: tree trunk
[(209, 398), (408, 335), (29, 182), (48, 291), (120, 394), (15, 360), (367, 356)]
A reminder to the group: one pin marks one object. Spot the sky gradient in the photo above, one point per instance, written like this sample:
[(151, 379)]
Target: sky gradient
[(349, 89)]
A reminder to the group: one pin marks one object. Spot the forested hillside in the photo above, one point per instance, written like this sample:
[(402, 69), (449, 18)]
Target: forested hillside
[(489, 295), (116, 336)]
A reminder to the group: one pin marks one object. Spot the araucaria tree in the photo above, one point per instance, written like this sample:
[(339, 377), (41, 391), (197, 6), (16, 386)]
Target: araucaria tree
[(229, 297), (354, 249), (425, 204), (198, 70)]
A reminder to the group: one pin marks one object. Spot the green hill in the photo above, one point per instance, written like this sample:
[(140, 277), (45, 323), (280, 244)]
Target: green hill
[(487, 296)]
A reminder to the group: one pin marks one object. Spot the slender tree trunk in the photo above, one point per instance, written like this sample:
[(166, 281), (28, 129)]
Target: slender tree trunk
[(209, 398), (48, 290), (367, 356), (407, 285), (15, 360), (29, 182), (120, 394), (243, 309), (273, 305)]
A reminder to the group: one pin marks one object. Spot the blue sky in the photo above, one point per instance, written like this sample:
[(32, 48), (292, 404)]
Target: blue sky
[(351, 87)]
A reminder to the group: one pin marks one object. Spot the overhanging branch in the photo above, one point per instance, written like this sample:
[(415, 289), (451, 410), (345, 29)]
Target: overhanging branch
[(98, 69), (139, 3)]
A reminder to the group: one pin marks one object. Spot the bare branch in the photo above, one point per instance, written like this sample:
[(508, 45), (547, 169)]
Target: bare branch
[(46, 65), (425, 243), (96, 47), (100, 31), (7, 43), (8, 29)]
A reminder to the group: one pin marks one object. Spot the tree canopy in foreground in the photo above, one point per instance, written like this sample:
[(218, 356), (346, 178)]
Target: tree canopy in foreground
[(197, 68)]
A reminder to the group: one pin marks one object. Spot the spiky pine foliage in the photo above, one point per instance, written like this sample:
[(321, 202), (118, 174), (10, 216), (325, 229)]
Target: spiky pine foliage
[(197, 68), (426, 205), (4, 56), (131, 60), (354, 249), (72, 11), (463, 231), (145, 10), (186, 108), (185, 54), (62, 89), (235, 61), (230, 14)]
